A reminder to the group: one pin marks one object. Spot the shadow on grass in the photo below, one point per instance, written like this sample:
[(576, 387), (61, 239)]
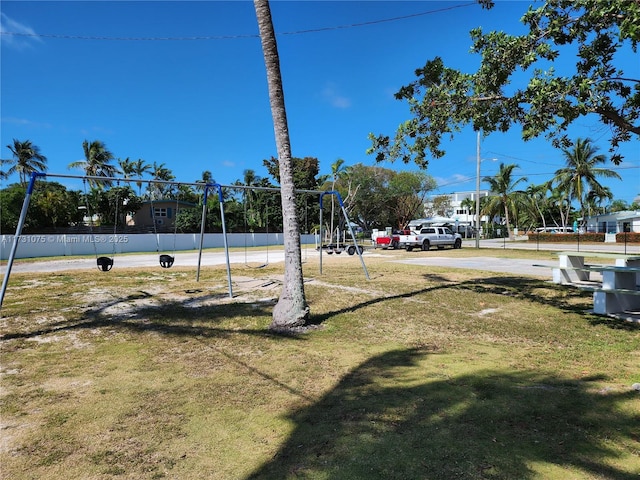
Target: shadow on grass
[(493, 424), (522, 288), (179, 318)]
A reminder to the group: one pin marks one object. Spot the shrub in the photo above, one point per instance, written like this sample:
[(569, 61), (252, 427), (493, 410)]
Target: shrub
[(566, 237), (631, 237)]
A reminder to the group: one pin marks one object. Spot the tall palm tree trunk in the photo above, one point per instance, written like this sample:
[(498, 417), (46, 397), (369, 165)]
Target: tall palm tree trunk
[(506, 217), (291, 310)]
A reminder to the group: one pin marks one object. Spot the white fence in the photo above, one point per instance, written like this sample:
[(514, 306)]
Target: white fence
[(49, 245)]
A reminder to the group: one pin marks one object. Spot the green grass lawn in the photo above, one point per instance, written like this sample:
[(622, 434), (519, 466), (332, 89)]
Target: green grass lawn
[(419, 373)]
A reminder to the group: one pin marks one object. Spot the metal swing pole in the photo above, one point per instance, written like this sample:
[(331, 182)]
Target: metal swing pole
[(246, 229), (202, 223), (224, 237), (266, 212), (353, 235), (115, 225), (224, 233), (321, 209), (16, 237)]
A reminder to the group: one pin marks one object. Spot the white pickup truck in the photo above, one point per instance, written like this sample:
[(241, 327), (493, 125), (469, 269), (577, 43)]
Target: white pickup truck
[(433, 237)]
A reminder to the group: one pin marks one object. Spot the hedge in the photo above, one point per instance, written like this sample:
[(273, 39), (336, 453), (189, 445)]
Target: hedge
[(631, 237), (566, 237)]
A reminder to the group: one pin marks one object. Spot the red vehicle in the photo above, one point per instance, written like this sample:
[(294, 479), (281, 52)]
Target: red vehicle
[(394, 241)]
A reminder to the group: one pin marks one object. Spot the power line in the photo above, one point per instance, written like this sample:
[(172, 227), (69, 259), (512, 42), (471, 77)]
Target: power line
[(233, 37), (469, 178), (614, 167)]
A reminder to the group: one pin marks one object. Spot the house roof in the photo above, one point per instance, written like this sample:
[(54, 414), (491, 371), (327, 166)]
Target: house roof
[(169, 201), (617, 216), (432, 220), (629, 215)]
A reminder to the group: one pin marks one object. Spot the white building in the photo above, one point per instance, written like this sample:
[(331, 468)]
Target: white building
[(616, 222), (464, 216)]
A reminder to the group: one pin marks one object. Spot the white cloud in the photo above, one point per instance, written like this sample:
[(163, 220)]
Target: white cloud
[(25, 122), (228, 163), (457, 177), (453, 180), (25, 37), (334, 98)]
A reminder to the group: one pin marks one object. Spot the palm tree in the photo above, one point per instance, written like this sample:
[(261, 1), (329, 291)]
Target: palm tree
[(27, 159), (162, 173), (96, 163), (579, 176), (140, 167), (292, 309), (595, 198), (251, 214), (537, 201), (560, 199), (126, 167), (619, 206), (503, 185), (206, 178), (469, 204)]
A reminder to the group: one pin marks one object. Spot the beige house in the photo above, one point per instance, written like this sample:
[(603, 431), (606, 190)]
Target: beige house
[(162, 213)]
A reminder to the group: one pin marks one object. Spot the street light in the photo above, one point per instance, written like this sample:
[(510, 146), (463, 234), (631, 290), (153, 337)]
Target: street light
[(478, 161), (478, 190)]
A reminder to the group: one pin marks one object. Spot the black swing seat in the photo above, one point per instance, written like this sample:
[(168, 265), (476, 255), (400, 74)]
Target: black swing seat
[(166, 261), (105, 263)]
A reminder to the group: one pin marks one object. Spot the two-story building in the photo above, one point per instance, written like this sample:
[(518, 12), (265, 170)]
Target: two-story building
[(159, 215), (462, 216)]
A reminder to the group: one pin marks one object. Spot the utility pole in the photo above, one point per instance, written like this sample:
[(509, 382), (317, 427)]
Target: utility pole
[(478, 190)]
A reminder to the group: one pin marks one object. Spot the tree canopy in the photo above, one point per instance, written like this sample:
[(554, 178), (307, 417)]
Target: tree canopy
[(443, 100), (378, 197)]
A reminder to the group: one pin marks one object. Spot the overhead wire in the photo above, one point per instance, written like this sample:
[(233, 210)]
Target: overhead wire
[(237, 36), (294, 32)]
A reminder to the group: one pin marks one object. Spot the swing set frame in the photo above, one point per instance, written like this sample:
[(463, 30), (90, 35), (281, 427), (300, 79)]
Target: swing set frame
[(209, 186)]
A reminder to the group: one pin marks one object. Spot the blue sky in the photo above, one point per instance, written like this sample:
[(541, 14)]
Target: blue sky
[(184, 84)]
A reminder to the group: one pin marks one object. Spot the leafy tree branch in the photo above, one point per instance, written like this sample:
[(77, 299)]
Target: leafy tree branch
[(443, 100)]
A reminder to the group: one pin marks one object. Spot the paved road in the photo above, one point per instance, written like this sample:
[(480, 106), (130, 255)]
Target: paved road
[(630, 249), (186, 259), (276, 254)]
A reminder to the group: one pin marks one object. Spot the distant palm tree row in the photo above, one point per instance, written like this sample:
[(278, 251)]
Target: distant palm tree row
[(98, 162), (577, 182), (536, 205)]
